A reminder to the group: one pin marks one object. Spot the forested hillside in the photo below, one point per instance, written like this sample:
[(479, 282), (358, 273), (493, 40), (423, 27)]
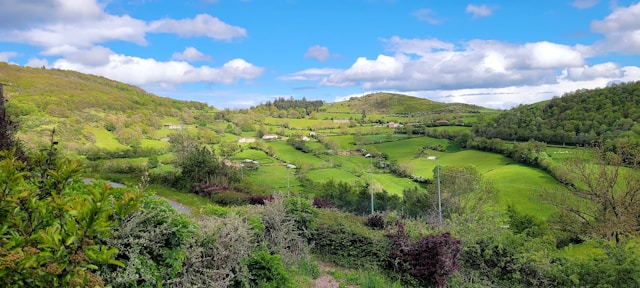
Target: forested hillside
[(75, 103), (579, 117)]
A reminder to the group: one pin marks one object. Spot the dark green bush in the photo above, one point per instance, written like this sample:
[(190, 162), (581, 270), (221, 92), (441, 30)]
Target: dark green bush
[(343, 239), (267, 270), (151, 243), (304, 215), (230, 198)]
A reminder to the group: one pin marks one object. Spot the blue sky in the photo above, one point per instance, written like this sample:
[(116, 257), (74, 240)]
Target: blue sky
[(239, 53)]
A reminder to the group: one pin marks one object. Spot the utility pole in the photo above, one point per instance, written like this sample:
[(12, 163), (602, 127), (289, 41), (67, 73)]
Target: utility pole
[(371, 173), (371, 176), (439, 198)]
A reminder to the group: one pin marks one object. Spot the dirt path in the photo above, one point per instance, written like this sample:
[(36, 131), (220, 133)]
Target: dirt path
[(326, 280), (179, 207)]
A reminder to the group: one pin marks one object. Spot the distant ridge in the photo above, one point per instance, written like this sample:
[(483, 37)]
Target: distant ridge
[(395, 103)]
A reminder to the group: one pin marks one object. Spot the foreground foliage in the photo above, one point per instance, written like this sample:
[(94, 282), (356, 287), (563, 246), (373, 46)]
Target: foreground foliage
[(53, 226)]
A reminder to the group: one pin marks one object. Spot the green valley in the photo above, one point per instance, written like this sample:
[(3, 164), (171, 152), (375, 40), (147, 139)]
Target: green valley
[(287, 186)]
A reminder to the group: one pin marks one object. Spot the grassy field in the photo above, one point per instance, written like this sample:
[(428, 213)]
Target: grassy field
[(289, 154), (345, 142), (105, 139), (275, 177), (452, 128), (154, 144), (255, 155), (392, 184), (305, 124), (408, 149), (338, 175), (521, 186), (338, 115)]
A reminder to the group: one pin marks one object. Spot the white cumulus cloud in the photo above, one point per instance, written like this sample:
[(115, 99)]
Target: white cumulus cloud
[(311, 74), (201, 25), (17, 13), (94, 56), (37, 63), (427, 15), (5, 56), (190, 54), (416, 46), (53, 37), (441, 65), (479, 10), (320, 53), (607, 70), (147, 71), (366, 70), (621, 30)]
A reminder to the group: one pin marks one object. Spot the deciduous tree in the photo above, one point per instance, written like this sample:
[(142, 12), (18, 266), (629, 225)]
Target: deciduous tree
[(603, 197)]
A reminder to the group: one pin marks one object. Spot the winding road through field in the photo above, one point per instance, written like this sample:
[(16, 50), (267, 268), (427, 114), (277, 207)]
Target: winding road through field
[(177, 206)]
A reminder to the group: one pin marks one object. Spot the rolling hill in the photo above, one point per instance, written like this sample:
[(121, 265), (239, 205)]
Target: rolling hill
[(392, 103), (78, 104), (579, 117)]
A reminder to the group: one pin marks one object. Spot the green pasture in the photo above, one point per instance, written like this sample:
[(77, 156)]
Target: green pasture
[(304, 123), (338, 175), (255, 155), (339, 116), (354, 164), (228, 137), (162, 133), (170, 120), (518, 185), (380, 138), (408, 149), (154, 144), (584, 251), (275, 177), (568, 152), (316, 146), (163, 168), (289, 154), (338, 107), (391, 183), (105, 139), (125, 161), (452, 128), (345, 142), (165, 132), (521, 186), (483, 161), (166, 157)]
